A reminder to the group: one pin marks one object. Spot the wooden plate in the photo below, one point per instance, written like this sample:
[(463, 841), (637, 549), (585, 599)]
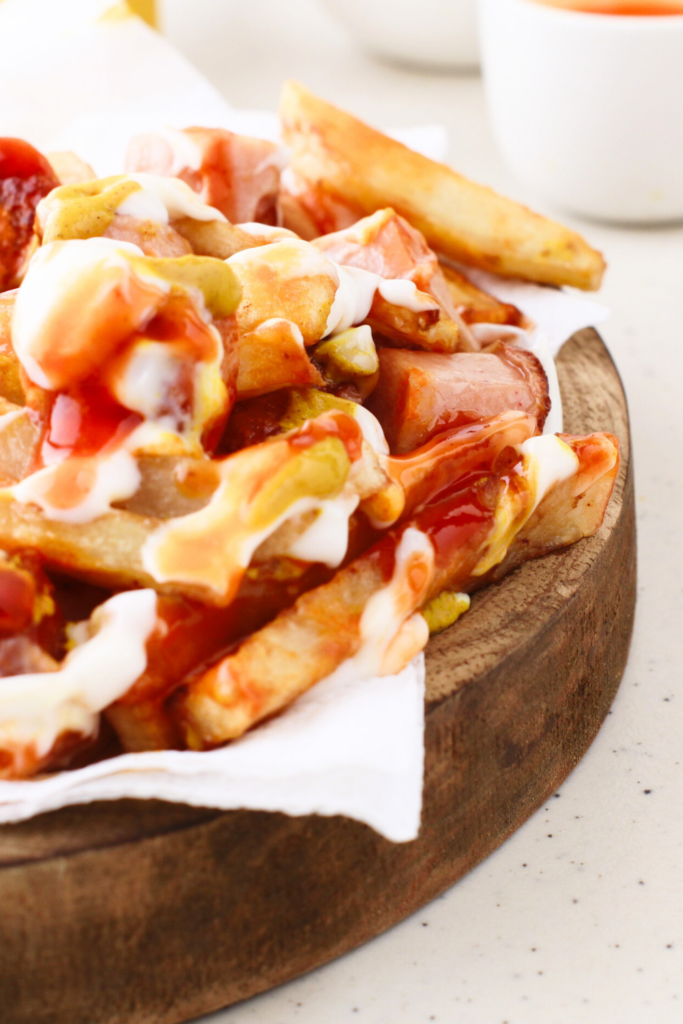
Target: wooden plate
[(152, 913)]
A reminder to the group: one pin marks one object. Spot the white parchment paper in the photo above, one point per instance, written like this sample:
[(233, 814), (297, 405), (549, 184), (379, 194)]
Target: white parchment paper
[(83, 76)]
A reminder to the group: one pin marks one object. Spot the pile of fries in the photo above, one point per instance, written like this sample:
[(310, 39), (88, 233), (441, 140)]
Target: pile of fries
[(256, 428)]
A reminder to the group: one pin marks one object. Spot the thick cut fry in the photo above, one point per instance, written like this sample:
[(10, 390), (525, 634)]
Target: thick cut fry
[(105, 552), (20, 436), (309, 641), (11, 387), (426, 330), (476, 306), (216, 238), (450, 544), (574, 509), (289, 279), (273, 356), (69, 168), (189, 634), (334, 152)]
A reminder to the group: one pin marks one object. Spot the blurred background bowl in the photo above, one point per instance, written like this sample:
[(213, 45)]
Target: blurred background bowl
[(588, 108), (439, 35)]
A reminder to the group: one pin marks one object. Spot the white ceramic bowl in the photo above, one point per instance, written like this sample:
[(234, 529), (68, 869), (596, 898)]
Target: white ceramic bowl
[(588, 108), (440, 34)]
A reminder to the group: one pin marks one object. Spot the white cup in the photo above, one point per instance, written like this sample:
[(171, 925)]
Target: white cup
[(438, 34), (588, 108)]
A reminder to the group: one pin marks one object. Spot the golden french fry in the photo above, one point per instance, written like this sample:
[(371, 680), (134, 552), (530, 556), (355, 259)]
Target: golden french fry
[(273, 356), (19, 439), (216, 238), (574, 508), (476, 306), (290, 280), (11, 387), (105, 551), (338, 154), (303, 644), (427, 330), (69, 168), (324, 628)]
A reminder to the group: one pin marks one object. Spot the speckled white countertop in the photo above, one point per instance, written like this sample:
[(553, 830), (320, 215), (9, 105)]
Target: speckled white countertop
[(578, 918)]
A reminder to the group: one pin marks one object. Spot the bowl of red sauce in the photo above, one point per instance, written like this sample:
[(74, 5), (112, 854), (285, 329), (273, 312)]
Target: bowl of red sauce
[(585, 99)]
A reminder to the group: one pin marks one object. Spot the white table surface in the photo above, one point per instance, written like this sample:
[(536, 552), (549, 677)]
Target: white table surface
[(578, 918)]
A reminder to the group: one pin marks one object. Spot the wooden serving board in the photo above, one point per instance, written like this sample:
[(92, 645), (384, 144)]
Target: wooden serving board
[(151, 913)]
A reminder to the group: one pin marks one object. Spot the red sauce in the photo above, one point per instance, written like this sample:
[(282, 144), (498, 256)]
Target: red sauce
[(17, 597), (19, 159), (640, 10), (179, 321), (457, 525), (334, 424), (25, 177), (86, 421)]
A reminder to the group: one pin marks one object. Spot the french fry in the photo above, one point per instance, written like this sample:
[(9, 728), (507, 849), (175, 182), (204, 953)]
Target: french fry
[(449, 548), (11, 387), (216, 238), (105, 552), (404, 328), (19, 439), (273, 356), (69, 168), (476, 306), (574, 509), (336, 153), (301, 646)]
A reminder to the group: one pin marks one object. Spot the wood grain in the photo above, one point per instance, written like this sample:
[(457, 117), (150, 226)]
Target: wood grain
[(149, 913)]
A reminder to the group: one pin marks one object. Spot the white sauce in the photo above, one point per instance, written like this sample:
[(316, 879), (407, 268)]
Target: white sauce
[(45, 290), (353, 299), (150, 373), (406, 294), (371, 429), (549, 461), (326, 540), (356, 292), (116, 477), (35, 709), (165, 199), (187, 155), (386, 613), (266, 231), (290, 258)]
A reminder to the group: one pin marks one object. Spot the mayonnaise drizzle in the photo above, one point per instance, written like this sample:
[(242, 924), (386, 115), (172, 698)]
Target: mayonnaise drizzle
[(326, 540), (187, 155), (165, 199), (45, 290), (548, 461), (277, 234), (356, 292), (35, 709), (388, 612), (112, 478)]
